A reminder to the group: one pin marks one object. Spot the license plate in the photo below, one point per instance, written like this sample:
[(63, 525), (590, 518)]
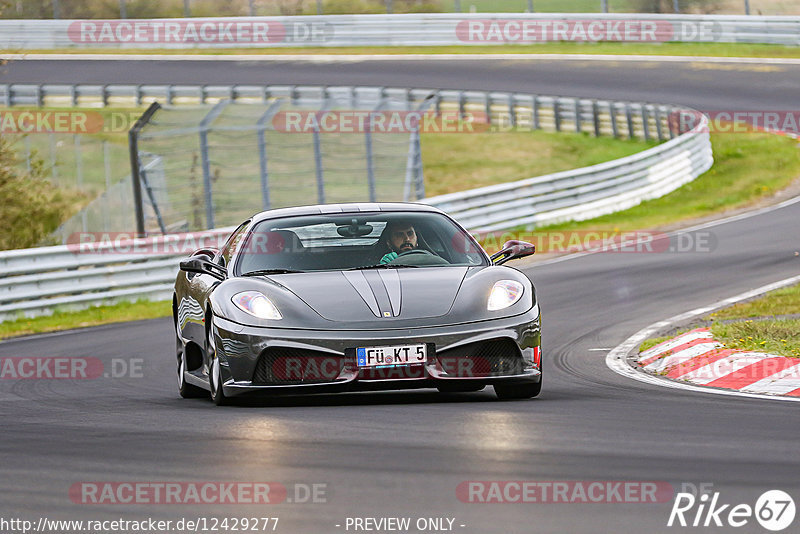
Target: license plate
[(391, 355)]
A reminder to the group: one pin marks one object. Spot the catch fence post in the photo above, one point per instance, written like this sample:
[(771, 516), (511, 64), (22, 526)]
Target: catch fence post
[(596, 118), (133, 150), (629, 118), (262, 150), (557, 114), (205, 126), (612, 111)]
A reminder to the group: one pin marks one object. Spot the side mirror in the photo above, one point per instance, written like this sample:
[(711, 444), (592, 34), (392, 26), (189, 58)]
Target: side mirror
[(203, 266), (512, 250)]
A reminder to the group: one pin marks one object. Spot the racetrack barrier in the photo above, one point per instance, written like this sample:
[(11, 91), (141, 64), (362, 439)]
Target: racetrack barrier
[(38, 281)]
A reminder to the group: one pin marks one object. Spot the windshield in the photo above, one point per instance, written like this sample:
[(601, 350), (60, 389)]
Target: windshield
[(356, 241)]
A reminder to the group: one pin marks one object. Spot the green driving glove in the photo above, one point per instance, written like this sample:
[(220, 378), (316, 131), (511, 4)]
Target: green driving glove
[(388, 257)]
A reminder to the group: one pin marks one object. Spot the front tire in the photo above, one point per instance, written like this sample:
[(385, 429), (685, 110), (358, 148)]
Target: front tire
[(186, 390), (215, 373)]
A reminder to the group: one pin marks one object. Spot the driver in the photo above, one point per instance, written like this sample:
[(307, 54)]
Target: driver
[(402, 238)]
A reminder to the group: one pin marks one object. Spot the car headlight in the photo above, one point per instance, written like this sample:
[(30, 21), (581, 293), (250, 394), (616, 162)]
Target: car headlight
[(504, 294), (256, 304)]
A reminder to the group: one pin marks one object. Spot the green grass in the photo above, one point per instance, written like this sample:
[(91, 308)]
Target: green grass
[(650, 343), (97, 315), (756, 325), (655, 49), (747, 167), (754, 329), (784, 301), (459, 162), (779, 336)]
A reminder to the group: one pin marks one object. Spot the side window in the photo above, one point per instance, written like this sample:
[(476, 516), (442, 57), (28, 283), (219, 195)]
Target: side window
[(230, 247)]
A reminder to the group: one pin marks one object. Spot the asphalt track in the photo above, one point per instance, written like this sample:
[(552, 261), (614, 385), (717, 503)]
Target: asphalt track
[(404, 453)]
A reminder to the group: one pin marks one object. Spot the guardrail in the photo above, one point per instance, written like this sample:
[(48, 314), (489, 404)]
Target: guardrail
[(499, 109), (419, 29), (582, 193), (36, 281)]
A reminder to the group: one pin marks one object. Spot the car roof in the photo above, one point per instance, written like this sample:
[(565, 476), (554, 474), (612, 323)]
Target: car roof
[(352, 207)]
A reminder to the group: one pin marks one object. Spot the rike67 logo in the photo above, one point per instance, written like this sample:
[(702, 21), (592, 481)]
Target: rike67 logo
[(774, 510)]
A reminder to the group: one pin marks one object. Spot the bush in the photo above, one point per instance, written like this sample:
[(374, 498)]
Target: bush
[(31, 207)]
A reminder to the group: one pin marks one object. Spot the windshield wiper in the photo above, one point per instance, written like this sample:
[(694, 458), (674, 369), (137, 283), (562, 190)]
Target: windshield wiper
[(261, 272), (384, 266)]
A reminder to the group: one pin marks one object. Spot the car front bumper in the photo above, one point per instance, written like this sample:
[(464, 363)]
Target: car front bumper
[(314, 352)]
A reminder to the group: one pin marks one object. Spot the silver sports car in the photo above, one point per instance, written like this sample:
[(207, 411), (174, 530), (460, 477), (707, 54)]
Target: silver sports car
[(349, 297)]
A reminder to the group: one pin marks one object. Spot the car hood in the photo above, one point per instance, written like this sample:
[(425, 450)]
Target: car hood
[(377, 293)]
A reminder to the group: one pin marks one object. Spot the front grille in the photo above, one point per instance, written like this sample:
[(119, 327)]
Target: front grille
[(482, 359), (289, 366)]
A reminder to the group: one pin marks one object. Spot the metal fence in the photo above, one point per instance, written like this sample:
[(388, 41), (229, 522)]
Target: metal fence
[(87, 163), (222, 163), (499, 109), (240, 165), (36, 281), (430, 29), (40, 280)]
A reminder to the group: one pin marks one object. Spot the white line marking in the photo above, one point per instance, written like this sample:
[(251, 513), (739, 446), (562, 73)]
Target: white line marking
[(601, 349), (616, 360), (266, 56)]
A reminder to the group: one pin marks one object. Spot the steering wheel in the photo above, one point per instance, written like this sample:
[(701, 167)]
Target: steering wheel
[(415, 251), (419, 257)]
